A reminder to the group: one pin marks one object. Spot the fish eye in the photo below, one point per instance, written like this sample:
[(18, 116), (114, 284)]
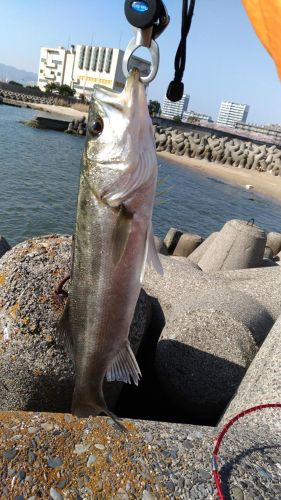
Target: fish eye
[(96, 126)]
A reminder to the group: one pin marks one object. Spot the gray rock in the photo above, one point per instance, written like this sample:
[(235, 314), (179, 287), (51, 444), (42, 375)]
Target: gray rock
[(239, 245), (171, 239), (196, 255), (4, 246), (274, 242), (262, 382), (187, 244), (41, 376)]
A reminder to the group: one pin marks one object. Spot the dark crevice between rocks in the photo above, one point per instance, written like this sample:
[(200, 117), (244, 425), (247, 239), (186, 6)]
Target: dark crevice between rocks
[(149, 401)]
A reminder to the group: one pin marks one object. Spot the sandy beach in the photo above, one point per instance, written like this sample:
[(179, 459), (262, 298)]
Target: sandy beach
[(262, 182), (59, 110)]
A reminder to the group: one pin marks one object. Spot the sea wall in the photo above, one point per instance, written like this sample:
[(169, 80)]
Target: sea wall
[(224, 150), (26, 95)]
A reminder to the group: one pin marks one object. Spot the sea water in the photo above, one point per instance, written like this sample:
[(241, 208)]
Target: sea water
[(39, 178)]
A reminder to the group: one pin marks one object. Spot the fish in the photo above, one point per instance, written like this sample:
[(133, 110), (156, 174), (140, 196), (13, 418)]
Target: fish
[(113, 240)]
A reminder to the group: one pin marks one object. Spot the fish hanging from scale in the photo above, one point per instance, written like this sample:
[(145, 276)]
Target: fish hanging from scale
[(113, 241)]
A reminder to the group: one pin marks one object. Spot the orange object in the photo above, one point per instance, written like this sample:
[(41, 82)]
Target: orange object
[(265, 16)]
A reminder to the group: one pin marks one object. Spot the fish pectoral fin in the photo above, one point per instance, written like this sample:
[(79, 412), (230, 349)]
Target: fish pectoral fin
[(121, 234), (63, 332), (151, 256), (124, 367)]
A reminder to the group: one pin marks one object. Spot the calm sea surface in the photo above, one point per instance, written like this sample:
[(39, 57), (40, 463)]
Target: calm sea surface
[(39, 173)]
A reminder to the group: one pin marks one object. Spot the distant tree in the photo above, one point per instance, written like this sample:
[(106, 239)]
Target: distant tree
[(12, 82), (66, 90), (177, 118), (32, 87), (52, 87), (154, 108)]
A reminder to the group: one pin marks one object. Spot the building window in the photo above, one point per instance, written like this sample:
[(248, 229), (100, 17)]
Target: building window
[(58, 74), (81, 57), (108, 60), (43, 60), (101, 59), (88, 57), (95, 58)]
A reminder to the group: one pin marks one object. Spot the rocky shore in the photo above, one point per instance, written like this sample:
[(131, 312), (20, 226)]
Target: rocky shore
[(207, 338)]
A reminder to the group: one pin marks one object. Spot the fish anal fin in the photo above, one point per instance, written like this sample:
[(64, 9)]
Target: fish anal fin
[(121, 234), (124, 367), (63, 332)]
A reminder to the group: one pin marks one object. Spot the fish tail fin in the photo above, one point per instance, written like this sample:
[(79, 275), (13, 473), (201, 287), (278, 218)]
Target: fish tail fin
[(85, 409), (115, 419)]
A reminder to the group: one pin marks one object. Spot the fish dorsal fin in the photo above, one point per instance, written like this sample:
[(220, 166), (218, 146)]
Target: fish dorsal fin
[(124, 367), (151, 256), (63, 332), (121, 234)]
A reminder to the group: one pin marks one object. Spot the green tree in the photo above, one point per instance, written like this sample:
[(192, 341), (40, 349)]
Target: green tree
[(66, 90), (154, 108), (52, 87), (177, 118)]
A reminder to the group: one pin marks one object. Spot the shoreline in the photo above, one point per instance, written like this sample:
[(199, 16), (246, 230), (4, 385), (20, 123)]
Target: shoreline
[(262, 182), (53, 109)]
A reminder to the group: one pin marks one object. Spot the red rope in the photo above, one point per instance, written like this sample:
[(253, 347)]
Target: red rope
[(221, 436)]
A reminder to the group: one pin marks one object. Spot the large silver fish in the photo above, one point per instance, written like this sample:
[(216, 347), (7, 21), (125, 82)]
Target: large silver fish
[(113, 239)]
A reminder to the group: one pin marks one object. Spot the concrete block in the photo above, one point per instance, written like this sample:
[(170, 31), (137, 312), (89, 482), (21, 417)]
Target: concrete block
[(274, 242), (196, 255), (264, 284), (268, 253), (171, 239), (239, 245), (262, 382), (187, 244)]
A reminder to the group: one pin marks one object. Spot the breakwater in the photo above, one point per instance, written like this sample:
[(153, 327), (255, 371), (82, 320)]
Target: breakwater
[(224, 150)]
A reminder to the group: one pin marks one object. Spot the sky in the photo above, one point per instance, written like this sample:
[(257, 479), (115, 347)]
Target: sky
[(225, 59)]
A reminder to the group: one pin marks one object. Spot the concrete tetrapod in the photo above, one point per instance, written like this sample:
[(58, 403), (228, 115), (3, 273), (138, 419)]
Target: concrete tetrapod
[(274, 242), (196, 255), (187, 244), (211, 335), (239, 245), (262, 382), (206, 347)]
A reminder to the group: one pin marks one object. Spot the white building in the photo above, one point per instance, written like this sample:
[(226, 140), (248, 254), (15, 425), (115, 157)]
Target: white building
[(232, 112), (171, 109), (82, 66)]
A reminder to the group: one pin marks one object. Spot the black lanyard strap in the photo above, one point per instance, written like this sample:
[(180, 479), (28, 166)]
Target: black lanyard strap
[(176, 87)]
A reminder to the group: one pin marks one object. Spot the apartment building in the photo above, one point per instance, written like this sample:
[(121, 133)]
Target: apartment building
[(232, 112), (171, 109)]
